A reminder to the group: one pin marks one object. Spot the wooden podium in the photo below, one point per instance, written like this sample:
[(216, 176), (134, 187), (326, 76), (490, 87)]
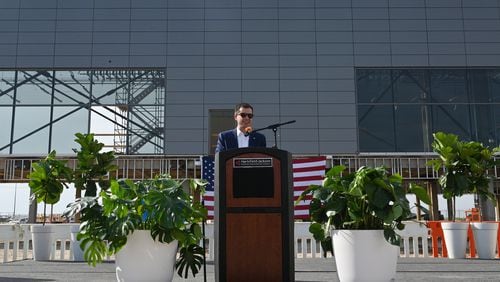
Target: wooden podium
[(254, 215)]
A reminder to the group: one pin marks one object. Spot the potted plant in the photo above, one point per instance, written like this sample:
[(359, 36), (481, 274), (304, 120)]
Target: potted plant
[(47, 181), (465, 172), (361, 213), (144, 224), (92, 171)]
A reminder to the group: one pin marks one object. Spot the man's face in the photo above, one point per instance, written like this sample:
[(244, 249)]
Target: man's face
[(244, 118)]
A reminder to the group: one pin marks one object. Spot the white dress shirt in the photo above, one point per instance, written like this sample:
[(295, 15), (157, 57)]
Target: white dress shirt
[(242, 139)]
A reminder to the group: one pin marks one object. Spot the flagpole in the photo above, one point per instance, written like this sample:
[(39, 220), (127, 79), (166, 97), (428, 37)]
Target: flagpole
[(204, 247)]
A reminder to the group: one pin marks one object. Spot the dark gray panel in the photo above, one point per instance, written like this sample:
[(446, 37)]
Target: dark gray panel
[(337, 134), (335, 61), (302, 48), (481, 13), (73, 26), (112, 4), (372, 48), (298, 110), (223, 14), (37, 14), (298, 85), (370, 13), (223, 85), (334, 25), (75, 14), (333, 14), (336, 73), (296, 3), (338, 122), (183, 123), (298, 61), (8, 37), (447, 48), (149, 3), (185, 14), (260, 85), (38, 4), (178, 37), (111, 26), (148, 50), (296, 14), (337, 109), (408, 25), (299, 97), (148, 61), (184, 110), (260, 61), (185, 49), (261, 49), (445, 25), (111, 37), (72, 4), (259, 37), (410, 60), (9, 26), (222, 3), (407, 13), (229, 98), (329, 3), (370, 3), (189, 3), (479, 24), (63, 61), (445, 36), (9, 14), (483, 48), (223, 73), (407, 37), (336, 85), (9, 4), (406, 3), (293, 25), (375, 36), (256, 14), (220, 49), (35, 61), (110, 61), (222, 25), (148, 14), (332, 147), (179, 85), (444, 13), (223, 61), (479, 3), (294, 135), (261, 97), (185, 61), (173, 97), (482, 36), (8, 49), (483, 60), (193, 25), (298, 73), (258, 3), (73, 49), (260, 73), (336, 97), (296, 37), (186, 73), (447, 60), (371, 25), (32, 26), (334, 37), (36, 37), (409, 48), (220, 37), (372, 60), (147, 25), (74, 37)]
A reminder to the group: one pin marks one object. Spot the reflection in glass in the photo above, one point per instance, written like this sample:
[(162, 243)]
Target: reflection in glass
[(376, 128)]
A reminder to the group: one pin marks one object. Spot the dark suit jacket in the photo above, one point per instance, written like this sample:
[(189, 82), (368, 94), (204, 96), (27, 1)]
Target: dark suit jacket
[(228, 140)]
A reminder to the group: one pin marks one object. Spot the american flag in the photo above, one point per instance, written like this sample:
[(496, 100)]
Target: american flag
[(305, 172), (208, 173)]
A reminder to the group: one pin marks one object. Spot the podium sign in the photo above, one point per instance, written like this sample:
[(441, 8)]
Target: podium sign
[(254, 215)]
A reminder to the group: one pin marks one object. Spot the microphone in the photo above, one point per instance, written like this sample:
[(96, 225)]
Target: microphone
[(248, 130)]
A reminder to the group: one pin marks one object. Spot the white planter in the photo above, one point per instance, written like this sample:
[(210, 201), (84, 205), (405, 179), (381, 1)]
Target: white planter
[(41, 236), (485, 238), (75, 244), (455, 237), (364, 255), (143, 259)]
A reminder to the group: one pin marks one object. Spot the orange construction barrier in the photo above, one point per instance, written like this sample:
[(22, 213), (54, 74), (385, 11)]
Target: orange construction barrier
[(438, 242)]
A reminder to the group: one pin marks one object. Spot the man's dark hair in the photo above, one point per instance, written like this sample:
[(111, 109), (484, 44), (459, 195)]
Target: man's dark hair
[(242, 105)]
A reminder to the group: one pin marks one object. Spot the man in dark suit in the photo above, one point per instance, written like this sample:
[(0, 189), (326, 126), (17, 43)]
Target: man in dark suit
[(242, 136)]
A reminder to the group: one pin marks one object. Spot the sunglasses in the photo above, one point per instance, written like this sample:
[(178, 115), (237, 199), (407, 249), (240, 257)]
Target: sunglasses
[(244, 115)]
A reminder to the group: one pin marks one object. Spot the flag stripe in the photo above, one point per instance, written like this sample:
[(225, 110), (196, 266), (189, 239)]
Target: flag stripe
[(306, 172)]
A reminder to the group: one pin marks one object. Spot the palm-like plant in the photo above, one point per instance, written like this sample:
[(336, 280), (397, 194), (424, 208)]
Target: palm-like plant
[(466, 166), (48, 179)]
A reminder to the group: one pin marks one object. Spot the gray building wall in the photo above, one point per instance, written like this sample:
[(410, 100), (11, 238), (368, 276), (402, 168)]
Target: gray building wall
[(292, 59)]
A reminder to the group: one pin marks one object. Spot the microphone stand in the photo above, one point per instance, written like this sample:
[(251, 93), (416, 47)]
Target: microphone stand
[(274, 128)]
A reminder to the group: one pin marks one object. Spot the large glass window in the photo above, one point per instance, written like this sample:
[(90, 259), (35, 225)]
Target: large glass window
[(399, 109)]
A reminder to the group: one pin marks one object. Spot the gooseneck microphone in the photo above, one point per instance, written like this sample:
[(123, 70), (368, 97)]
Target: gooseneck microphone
[(247, 132)]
